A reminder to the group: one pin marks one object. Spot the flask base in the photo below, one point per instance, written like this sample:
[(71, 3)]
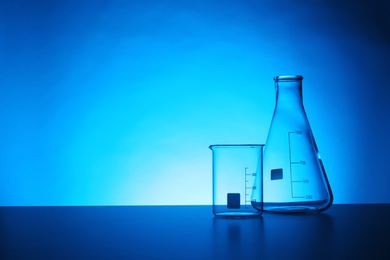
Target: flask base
[(297, 207)]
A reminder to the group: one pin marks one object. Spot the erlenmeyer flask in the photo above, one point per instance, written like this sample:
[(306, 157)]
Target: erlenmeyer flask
[(294, 176)]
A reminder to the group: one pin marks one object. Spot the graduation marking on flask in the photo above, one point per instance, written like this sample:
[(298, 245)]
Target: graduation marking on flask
[(296, 162)]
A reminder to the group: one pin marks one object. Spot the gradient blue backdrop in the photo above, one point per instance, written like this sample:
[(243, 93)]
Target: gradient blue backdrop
[(116, 102)]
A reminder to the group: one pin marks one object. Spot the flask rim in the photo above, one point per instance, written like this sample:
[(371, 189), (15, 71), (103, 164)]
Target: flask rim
[(288, 78)]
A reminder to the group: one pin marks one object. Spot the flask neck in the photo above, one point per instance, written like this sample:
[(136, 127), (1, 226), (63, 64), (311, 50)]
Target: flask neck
[(288, 90)]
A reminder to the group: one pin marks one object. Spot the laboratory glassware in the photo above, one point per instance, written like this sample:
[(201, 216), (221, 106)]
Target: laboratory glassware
[(237, 180), (294, 177)]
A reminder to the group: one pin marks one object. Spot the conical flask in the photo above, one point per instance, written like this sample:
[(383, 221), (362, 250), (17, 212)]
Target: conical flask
[(294, 177)]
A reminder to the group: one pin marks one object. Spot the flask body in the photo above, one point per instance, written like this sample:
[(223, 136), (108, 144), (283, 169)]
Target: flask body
[(293, 175)]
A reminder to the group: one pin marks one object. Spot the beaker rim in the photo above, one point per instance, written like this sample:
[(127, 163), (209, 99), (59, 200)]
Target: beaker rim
[(288, 78), (235, 145)]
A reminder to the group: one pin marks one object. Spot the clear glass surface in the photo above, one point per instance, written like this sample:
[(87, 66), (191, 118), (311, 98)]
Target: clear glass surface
[(294, 176), (237, 180)]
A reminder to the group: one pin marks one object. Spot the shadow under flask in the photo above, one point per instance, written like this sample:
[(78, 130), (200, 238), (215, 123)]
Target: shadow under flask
[(294, 177)]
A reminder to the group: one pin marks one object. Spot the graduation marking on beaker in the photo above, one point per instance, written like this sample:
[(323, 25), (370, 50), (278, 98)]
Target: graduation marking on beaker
[(296, 162), (249, 185)]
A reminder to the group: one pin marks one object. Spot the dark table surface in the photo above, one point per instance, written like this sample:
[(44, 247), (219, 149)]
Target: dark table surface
[(192, 232)]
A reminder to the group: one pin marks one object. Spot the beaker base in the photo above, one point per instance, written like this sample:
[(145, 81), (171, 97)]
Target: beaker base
[(242, 211), (237, 214), (297, 207)]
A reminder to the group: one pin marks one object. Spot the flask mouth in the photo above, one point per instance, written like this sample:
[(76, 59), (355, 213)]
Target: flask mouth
[(288, 78)]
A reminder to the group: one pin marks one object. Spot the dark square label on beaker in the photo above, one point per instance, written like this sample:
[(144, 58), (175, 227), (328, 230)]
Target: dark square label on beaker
[(233, 200), (277, 174)]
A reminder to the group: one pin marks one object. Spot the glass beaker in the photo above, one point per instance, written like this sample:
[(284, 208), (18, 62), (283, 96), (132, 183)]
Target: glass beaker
[(294, 176), (237, 180)]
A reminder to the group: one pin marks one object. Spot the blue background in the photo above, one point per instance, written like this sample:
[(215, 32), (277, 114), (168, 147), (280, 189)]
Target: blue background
[(116, 102)]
